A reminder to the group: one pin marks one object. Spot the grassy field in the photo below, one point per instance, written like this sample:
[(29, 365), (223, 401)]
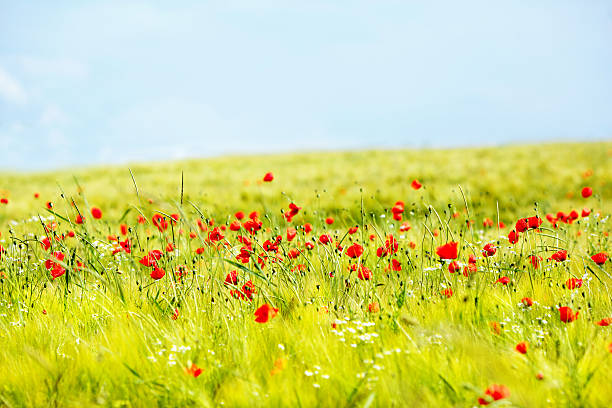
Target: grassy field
[(228, 314)]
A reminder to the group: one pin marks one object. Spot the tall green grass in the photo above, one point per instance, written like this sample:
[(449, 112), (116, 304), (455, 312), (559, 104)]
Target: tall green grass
[(104, 334)]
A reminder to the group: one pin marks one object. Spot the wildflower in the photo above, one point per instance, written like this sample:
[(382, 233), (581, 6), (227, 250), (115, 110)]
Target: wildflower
[(354, 251), (193, 370), (96, 213), (307, 228), (329, 220), (495, 392), (268, 177), (265, 313), (600, 258), (231, 278), (374, 307), (448, 292), (587, 192), (454, 267), (325, 239), (573, 283), (415, 184), (521, 225), (527, 301), (559, 256), (279, 365), (567, 315), (513, 237), (489, 250), (291, 233), (522, 347), (504, 280), (363, 272), (487, 222), (157, 273), (535, 261), (585, 212), (151, 258), (606, 321), (534, 222), (175, 314), (447, 251), (352, 230)]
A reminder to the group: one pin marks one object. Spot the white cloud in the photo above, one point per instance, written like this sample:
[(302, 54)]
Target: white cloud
[(11, 89)]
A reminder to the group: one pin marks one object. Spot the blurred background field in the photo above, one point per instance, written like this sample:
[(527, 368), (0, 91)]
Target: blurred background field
[(511, 178)]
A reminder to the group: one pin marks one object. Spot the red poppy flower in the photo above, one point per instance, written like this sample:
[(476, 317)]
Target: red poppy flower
[(354, 251), (513, 237), (489, 250), (573, 283), (325, 239), (567, 315), (504, 280), (268, 177), (248, 289), (559, 256), (57, 271), (454, 267), (587, 192), (396, 265), (374, 307), (534, 222), (521, 225), (193, 370), (157, 273), (535, 261), (309, 245), (215, 235), (329, 220), (495, 392), (151, 258), (405, 227), (160, 222), (527, 301), (363, 272), (606, 321), (448, 292), (265, 313), (231, 278), (600, 258), (447, 251), (307, 228), (96, 213), (353, 230), (291, 233), (252, 226), (586, 212), (522, 347), (610, 347), (470, 269), (235, 225), (415, 184), (293, 253), (46, 243)]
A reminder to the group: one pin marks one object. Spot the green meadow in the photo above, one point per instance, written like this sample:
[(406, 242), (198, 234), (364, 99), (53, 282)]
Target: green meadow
[(93, 327)]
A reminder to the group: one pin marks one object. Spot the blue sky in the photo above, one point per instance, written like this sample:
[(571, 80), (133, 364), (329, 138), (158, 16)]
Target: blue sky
[(113, 82)]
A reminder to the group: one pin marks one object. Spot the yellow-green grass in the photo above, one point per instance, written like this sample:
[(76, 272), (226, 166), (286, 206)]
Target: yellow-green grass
[(107, 335)]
